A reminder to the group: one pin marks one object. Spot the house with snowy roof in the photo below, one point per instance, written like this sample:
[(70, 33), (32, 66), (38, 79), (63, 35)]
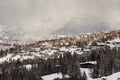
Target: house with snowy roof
[(95, 45)]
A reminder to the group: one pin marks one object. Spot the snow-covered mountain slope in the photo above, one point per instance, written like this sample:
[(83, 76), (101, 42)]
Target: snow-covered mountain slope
[(56, 48), (11, 32), (34, 53), (76, 26), (45, 50), (6, 43)]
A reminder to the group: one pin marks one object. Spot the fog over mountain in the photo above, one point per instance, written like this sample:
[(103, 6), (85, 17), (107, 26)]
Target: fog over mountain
[(38, 19), (78, 26)]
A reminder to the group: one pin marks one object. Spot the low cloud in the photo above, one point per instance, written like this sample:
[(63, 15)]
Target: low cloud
[(23, 19)]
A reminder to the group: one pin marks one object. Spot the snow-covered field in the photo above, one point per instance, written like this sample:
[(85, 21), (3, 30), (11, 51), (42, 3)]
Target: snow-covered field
[(59, 75), (36, 53), (53, 76), (114, 76), (15, 57)]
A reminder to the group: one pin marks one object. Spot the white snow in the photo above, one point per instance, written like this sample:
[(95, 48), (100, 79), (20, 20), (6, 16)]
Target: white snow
[(52, 52), (21, 56), (61, 36), (72, 50), (91, 62), (113, 76), (113, 43), (5, 58), (49, 51), (28, 66), (28, 55), (59, 75), (87, 50), (16, 57), (79, 52), (116, 40), (88, 72), (54, 76), (100, 43), (64, 49), (37, 49)]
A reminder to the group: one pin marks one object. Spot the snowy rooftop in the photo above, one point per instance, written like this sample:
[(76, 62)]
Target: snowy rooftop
[(91, 62)]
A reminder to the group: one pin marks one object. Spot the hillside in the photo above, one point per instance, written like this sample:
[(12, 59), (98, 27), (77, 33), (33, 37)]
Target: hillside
[(82, 57), (7, 44), (76, 26)]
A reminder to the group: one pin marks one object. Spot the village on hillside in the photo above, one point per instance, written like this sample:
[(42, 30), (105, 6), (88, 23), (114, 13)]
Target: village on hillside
[(64, 57)]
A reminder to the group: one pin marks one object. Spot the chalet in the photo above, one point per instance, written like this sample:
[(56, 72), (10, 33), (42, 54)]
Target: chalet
[(46, 44), (89, 64), (37, 49), (87, 50), (117, 44), (74, 46), (12, 47), (22, 51), (97, 45), (113, 43)]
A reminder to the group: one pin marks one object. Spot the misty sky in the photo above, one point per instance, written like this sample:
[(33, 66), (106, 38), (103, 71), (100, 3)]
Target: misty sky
[(28, 18)]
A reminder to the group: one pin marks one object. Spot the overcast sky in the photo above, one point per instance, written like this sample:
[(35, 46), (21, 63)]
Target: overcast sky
[(39, 17)]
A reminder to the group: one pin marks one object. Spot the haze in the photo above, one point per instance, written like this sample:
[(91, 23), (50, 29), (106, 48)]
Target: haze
[(38, 19)]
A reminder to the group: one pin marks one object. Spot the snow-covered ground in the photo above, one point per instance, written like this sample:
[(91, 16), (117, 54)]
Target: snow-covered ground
[(59, 75), (114, 76), (37, 52), (72, 50), (113, 43), (20, 56), (5, 58), (28, 66), (88, 71), (7, 44), (53, 76)]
